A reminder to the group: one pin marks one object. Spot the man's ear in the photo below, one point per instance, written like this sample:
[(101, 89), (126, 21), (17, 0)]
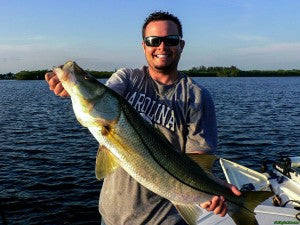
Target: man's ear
[(144, 46), (182, 44)]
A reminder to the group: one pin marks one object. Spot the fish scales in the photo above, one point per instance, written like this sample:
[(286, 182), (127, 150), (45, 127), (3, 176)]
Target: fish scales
[(173, 162), (138, 154)]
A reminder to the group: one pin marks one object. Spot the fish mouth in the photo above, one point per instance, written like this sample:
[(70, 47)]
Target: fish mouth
[(66, 77), (65, 73)]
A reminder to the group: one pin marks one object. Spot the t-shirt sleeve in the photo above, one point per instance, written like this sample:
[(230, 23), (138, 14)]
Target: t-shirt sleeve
[(119, 81), (202, 125)]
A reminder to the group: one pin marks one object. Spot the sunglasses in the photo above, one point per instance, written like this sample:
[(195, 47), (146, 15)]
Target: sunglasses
[(154, 41)]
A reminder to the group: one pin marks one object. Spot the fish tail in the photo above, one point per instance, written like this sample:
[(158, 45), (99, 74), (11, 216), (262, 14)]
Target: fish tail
[(244, 212)]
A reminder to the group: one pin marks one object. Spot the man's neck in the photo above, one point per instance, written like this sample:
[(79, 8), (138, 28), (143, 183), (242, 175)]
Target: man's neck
[(164, 77)]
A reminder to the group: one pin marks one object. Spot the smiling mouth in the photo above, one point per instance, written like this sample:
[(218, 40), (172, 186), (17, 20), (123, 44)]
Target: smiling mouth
[(162, 56)]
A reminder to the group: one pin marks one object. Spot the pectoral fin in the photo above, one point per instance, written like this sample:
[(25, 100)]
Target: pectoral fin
[(106, 163), (190, 213)]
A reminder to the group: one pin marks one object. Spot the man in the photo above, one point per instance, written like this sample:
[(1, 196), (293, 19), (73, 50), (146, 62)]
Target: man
[(182, 110)]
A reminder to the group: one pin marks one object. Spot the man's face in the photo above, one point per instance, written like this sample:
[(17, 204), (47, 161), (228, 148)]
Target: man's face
[(162, 58)]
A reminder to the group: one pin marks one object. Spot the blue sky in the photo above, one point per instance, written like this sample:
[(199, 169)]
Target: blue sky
[(105, 35)]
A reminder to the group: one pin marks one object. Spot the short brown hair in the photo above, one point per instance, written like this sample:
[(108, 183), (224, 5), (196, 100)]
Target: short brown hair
[(160, 15)]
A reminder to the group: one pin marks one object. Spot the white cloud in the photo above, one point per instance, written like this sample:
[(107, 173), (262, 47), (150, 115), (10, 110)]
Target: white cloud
[(249, 37), (15, 58), (278, 48), (35, 38), (28, 48), (265, 56)]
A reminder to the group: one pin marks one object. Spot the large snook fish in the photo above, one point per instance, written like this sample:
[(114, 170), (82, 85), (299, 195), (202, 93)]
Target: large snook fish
[(130, 142)]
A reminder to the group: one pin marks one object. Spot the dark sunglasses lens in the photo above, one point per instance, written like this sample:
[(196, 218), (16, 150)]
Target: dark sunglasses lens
[(152, 41), (171, 40)]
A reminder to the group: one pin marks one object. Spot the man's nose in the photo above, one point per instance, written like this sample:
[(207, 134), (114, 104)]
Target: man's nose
[(162, 45)]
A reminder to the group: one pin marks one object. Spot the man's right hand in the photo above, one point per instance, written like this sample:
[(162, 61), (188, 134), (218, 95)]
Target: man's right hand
[(55, 85)]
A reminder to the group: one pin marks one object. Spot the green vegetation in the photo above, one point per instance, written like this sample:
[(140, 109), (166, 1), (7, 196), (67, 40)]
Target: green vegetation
[(233, 71), (100, 74), (200, 71), (7, 76), (40, 75), (31, 75)]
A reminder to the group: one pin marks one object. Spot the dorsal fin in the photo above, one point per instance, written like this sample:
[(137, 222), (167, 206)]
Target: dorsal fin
[(106, 163), (205, 161)]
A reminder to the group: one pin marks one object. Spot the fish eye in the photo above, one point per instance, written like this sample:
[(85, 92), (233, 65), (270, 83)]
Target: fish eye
[(86, 77)]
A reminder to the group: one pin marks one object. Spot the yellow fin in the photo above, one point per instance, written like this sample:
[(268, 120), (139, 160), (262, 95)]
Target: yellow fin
[(106, 163), (190, 213), (245, 214), (205, 161)]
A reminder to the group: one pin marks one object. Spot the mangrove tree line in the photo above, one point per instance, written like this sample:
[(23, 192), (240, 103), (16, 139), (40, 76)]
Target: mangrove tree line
[(201, 71)]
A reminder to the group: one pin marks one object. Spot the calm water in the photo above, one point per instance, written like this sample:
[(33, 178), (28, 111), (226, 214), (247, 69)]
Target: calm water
[(47, 159)]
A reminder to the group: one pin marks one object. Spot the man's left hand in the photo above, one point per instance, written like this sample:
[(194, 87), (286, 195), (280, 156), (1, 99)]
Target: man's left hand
[(217, 204)]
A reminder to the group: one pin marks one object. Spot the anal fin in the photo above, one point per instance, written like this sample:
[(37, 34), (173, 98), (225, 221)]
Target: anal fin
[(189, 212)]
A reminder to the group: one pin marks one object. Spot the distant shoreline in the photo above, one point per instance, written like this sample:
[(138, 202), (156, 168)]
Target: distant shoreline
[(201, 71)]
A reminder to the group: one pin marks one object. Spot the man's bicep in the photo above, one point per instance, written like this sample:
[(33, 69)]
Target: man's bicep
[(202, 127)]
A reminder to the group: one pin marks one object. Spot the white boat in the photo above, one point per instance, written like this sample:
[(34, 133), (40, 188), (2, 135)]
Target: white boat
[(283, 179)]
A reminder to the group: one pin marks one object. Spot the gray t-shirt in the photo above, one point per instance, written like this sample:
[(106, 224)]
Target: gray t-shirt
[(184, 113)]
